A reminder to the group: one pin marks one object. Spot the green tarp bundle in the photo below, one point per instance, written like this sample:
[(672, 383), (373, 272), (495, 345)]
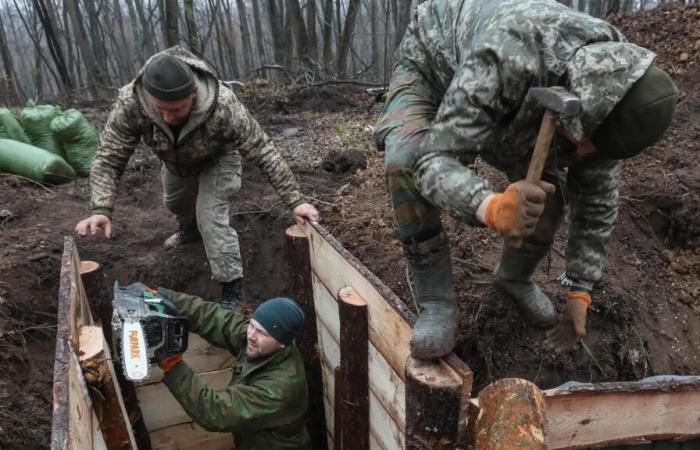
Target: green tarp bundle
[(33, 162), (10, 128), (78, 139), (36, 120)]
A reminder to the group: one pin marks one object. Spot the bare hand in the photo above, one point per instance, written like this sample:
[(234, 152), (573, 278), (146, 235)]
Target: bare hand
[(572, 323), (306, 212), (94, 223)]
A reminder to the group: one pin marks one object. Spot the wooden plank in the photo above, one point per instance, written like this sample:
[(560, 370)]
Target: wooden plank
[(160, 409), (98, 441), (201, 356), (384, 382), (607, 414), (79, 407), (383, 426), (189, 436), (389, 329), (98, 371)]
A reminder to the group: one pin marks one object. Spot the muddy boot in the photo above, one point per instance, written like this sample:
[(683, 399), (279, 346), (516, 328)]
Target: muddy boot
[(514, 275), (184, 235), (431, 273), (232, 294)]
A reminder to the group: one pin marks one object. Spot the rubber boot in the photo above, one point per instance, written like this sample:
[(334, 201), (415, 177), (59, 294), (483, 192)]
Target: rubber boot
[(431, 277), (514, 275), (232, 294), (184, 235)]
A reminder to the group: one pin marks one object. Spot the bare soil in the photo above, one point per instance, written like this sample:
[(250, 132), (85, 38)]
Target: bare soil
[(645, 313)]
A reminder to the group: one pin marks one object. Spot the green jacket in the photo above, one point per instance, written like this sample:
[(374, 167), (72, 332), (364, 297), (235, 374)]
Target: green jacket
[(265, 403)]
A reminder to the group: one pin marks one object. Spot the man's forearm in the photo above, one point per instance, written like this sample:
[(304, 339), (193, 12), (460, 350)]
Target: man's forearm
[(280, 175), (451, 186)]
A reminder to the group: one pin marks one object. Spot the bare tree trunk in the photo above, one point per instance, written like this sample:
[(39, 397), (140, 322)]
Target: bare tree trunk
[(93, 72), (52, 43), (11, 79), (38, 79), (311, 29), (565, 2), (328, 35), (135, 31), (172, 13), (374, 35), (147, 38), (348, 29), (97, 41), (403, 16), (296, 22), (192, 35), (259, 36), (595, 8), (582, 5), (124, 50), (276, 30), (245, 35)]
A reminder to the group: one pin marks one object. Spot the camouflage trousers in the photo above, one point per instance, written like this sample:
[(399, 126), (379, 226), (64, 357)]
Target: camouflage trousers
[(205, 198), (410, 107)]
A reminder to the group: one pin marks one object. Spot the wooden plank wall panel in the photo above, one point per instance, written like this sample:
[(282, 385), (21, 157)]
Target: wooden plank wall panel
[(588, 419), (190, 436), (160, 409), (201, 356), (387, 400), (80, 430), (388, 330), (384, 382)]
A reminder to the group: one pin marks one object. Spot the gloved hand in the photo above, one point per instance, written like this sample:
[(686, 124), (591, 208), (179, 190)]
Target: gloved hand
[(166, 301), (572, 323), (515, 212), (167, 363)]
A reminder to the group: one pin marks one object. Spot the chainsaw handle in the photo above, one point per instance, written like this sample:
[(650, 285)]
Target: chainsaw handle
[(538, 160)]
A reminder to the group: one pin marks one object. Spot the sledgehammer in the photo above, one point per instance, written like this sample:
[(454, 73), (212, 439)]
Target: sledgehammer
[(556, 101)]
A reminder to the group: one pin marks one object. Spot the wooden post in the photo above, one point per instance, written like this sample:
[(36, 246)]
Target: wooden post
[(96, 362), (92, 276), (338, 408), (301, 290), (511, 416), (354, 348), (433, 406)]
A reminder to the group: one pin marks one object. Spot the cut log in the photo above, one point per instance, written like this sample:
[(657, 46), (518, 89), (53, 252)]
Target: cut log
[(98, 370), (511, 416), (354, 347), (93, 278), (338, 409), (302, 291), (434, 403)]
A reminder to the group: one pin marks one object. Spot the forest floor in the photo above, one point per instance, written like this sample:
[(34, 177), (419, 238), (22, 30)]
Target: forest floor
[(646, 311)]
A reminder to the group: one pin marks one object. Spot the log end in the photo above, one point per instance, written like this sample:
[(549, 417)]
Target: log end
[(431, 374), (88, 267), (295, 231), (350, 296)]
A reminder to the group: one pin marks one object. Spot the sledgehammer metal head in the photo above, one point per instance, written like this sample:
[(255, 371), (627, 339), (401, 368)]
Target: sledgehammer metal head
[(556, 99)]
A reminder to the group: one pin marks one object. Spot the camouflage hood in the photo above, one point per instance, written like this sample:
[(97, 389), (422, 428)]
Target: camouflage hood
[(207, 90), (600, 75)]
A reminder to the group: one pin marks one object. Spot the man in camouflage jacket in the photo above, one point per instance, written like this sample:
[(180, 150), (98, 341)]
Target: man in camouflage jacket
[(460, 90), (199, 129), (266, 400)]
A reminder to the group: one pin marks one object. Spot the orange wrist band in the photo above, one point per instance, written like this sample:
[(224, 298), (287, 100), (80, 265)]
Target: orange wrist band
[(585, 297), (170, 362)]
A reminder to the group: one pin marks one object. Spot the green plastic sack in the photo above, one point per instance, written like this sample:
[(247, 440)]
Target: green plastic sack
[(36, 120), (33, 163), (78, 139), (10, 128)]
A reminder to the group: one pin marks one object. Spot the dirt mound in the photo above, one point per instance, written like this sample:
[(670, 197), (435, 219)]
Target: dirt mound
[(298, 99)]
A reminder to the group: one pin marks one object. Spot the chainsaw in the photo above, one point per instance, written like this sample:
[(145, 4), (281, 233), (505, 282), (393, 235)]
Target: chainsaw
[(143, 333)]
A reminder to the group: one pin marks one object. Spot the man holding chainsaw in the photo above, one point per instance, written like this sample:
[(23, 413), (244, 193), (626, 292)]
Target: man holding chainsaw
[(265, 403), (199, 129), (460, 89)]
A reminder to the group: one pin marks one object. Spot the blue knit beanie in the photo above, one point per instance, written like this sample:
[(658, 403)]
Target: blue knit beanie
[(282, 318)]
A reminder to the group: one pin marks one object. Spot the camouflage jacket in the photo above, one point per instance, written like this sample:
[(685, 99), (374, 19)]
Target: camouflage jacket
[(218, 123), (480, 58), (265, 403)]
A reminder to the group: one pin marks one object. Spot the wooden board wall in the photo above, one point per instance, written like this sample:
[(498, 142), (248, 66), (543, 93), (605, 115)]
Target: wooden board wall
[(390, 330)]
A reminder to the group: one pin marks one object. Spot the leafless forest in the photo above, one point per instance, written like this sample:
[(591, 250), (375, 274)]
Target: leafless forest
[(68, 50)]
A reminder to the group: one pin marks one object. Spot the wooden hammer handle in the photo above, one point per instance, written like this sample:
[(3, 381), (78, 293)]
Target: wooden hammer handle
[(538, 159)]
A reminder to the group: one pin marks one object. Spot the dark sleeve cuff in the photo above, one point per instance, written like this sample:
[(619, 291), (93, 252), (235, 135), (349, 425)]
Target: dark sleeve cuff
[(102, 211)]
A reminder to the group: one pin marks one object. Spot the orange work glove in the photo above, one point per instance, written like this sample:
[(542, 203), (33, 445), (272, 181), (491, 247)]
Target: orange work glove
[(572, 323), (515, 212), (168, 363)]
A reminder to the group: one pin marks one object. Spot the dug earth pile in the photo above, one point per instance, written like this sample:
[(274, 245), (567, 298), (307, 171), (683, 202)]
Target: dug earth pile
[(646, 310)]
